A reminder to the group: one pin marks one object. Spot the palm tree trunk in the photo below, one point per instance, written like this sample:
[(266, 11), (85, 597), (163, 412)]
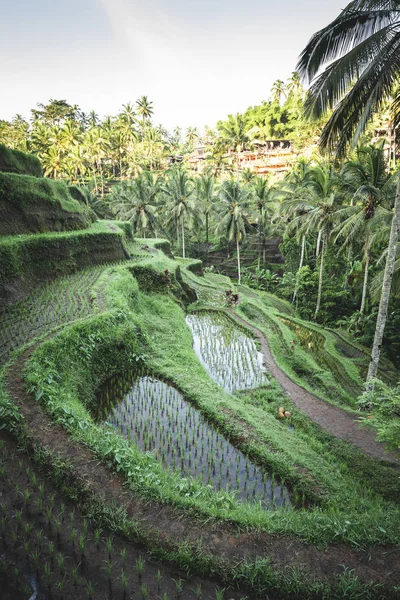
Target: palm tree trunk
[(303, 249), (237, 165), (101, 179), (183, 238), (348, 267), (207, 239), (238, 258), (386, 286), (365, 284), (321, 272), (260, 243), (177, 233), (95, 181), (318, 243)]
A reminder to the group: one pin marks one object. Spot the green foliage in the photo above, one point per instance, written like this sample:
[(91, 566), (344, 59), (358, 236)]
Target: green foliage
[(383, 404), (65, 371), (27, 259), (260, 278), (14, 161), (32, 204)]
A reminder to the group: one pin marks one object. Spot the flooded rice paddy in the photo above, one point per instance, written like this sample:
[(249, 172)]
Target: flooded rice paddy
[(155, 416), (229, 355)]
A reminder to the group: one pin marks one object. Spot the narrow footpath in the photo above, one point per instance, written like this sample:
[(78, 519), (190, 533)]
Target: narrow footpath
[(333, 419)]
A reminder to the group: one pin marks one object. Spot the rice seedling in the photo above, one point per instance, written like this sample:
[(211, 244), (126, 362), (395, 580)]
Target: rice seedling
[(74, 576), (139, 567), (97, 537), (109, 546), (155, 416), (124, 583), (47, 574), (57, 302), (178, 586), (123, 556), (159, 577), (60, 559), (89, 590), (229, 355)]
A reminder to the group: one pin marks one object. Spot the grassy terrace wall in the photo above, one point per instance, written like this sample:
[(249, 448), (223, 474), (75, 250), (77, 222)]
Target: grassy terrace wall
[(27, 260), (151, 328), (14, 161), (36, 205)]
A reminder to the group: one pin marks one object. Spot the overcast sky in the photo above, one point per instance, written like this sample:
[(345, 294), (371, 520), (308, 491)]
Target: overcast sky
[(197, 60)]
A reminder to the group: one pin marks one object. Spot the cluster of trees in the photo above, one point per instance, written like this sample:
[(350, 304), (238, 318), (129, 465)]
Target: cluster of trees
[(335, 222), (80, 147)]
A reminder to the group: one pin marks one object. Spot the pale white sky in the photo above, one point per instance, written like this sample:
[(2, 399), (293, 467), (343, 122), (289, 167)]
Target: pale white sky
[(197, 60)]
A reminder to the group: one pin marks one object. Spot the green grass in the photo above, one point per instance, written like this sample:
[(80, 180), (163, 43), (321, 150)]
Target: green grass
[(36, 204), (27, 259), (153, 326), (14, 161), (353, 499)]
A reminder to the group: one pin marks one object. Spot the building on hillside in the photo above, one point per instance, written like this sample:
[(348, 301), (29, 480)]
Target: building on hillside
[(262, 158)]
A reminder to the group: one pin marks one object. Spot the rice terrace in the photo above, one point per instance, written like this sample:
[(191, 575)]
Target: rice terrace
[(200, 328)]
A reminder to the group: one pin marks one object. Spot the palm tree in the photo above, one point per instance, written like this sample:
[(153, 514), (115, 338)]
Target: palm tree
[(192, 136), (278, 90), (233, 134), (180, 190), (52, 162), (70, 135), (294, 83), (263, 197), (136, 201), (75, 163), (234, 219), (144, 108), (96, 146), (372, 193), (314, 204), (361, 49), (207, 197)]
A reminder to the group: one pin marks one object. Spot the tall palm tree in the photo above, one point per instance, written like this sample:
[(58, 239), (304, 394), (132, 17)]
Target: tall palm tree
[(96, 145), (360, 53), (136, 201), (233, 134), (53, 162), (207, 197), (371, 185), (263, 195), (192, 136), (278, 90), (144, 108), (180, 191), (313, 206), (235, 200), (294, 83)]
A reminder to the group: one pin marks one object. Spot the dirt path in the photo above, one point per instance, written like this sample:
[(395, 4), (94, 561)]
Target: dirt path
[(333, 419), (168, 524)]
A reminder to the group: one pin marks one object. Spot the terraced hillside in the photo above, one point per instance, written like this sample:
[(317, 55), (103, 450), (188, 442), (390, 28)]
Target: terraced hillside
[(143, 458)]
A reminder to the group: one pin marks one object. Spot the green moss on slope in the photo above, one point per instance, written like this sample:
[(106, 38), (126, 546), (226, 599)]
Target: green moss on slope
[(35, 205), (14, 161)]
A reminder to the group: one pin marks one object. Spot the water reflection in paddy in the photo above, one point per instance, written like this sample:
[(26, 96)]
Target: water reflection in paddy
[(155, 416), (227, 352)]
